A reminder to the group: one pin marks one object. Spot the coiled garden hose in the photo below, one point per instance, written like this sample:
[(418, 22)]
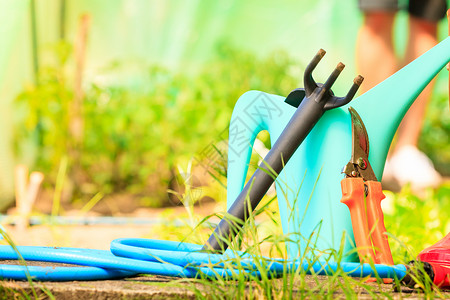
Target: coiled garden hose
[(129, 257)]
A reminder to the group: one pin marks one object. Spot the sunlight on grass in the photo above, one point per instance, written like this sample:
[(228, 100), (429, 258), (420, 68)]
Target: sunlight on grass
[(413, 222), (417, 221), (16, 292), (262, 237)]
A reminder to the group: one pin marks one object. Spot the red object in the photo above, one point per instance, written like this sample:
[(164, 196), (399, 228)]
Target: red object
[(438, 256)]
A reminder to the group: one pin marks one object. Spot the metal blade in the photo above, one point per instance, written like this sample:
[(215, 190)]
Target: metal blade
[(359, 132), (360, 147)]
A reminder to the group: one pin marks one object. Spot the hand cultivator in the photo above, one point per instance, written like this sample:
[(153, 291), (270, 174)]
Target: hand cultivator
[(312, 130), (314, 100)]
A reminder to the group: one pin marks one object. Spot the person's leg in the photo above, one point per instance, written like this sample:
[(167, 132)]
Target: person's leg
[(407, 163), (375, 42), (422, 37), (375, 53)]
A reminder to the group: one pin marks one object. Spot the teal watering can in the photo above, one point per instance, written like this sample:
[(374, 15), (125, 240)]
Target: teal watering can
[(308, 187)]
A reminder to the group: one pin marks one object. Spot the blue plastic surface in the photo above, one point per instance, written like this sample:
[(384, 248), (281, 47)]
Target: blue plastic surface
[(308, 188), (129, 257)]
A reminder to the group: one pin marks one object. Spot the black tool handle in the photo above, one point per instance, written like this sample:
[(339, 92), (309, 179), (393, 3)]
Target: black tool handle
[(302, 122)]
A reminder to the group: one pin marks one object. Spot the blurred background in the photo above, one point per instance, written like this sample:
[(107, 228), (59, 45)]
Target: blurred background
[(123, 97)]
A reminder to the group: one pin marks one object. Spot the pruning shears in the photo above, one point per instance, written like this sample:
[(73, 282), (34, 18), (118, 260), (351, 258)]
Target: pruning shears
[(362, 193)]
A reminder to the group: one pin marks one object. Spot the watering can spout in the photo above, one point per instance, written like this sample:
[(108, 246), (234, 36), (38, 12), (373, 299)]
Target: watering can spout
[(383, 107)]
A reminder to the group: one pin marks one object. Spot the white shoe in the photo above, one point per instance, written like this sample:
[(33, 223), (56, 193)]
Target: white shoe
[(409, 165)]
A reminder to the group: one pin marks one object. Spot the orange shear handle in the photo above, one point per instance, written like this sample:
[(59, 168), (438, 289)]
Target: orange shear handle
[(367, 219), (376, 223), (353, 197)]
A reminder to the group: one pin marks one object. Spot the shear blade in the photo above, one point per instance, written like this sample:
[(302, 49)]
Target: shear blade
[(360, 147), (359, 132)]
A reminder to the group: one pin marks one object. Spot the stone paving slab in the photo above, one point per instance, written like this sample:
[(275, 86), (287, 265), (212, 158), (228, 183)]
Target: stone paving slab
[(159, 287), (137, 288)]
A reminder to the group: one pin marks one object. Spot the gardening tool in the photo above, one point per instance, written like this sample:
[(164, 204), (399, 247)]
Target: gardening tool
[(362, 193), (435, 262), (308, 188), (314, 100)]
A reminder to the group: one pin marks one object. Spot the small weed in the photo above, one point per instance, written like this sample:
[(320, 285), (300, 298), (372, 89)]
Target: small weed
[(262, 237), (8, 291)]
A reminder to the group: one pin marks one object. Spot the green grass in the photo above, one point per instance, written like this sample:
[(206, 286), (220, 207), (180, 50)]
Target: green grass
[(16, 292), (418, 221), (413, 223), (262, 237)]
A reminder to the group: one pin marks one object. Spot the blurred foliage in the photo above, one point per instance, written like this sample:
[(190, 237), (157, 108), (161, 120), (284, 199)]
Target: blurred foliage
[(135, 138), (435, 137), (416, 221)]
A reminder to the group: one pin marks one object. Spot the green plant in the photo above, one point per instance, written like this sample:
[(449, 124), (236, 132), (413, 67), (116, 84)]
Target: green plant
[(261, 237), (138, 129), (134, 138), (262, 230), (12, 292), (417, 221), (434, 139)]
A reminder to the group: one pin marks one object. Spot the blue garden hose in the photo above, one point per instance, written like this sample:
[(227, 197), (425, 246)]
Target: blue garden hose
[(130, 257)]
